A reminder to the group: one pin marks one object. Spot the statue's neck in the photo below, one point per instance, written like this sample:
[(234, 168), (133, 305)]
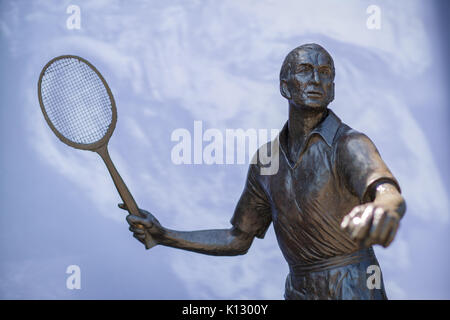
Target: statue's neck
[(300, 123)]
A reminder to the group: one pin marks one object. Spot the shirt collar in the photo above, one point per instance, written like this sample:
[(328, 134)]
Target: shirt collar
[(326, 129)]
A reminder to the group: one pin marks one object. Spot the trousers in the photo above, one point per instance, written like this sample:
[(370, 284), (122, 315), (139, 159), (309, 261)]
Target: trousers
[(354, 276)]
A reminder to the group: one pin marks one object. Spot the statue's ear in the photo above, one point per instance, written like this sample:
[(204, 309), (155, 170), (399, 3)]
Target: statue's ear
[(284, 90)]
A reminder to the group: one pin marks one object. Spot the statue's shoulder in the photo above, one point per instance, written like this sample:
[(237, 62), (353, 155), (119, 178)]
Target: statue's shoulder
[(349, 139)]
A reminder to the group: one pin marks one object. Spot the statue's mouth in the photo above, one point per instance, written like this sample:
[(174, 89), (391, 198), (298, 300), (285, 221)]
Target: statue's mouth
[(314, 94)]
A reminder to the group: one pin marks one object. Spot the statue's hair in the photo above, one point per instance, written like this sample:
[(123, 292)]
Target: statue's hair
[(289, 61)]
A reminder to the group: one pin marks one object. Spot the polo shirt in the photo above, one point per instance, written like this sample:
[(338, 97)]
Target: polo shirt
[(307, 199)]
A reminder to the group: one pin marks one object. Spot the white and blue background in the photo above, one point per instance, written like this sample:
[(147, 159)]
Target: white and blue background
[(170, 63)]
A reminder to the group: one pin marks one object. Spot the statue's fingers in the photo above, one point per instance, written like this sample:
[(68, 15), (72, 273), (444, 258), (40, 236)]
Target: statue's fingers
[(136, 230), (387, 227), (123, 206), (378, 225), (391, 236), (363, 224), (346, 222), (136, 221), (141, 238)]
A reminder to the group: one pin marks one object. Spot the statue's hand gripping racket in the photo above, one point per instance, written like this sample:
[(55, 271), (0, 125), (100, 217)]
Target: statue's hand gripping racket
[(80, 109)]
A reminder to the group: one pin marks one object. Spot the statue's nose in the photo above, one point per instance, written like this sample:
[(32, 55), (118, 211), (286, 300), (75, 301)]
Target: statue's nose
[(316, 77)]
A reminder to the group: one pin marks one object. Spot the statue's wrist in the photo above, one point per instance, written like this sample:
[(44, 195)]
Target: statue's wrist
[(162, 237)]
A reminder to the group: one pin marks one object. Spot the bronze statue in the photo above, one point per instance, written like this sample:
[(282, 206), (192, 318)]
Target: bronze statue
[(331, 199)]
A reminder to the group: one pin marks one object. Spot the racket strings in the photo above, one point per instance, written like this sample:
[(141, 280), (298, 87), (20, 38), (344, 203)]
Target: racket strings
[(76, 101)]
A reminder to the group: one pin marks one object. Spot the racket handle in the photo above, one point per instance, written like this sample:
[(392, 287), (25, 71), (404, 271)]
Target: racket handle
[(122, 188)]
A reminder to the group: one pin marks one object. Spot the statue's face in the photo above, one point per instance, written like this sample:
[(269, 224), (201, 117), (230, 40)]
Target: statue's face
[(311, 80)]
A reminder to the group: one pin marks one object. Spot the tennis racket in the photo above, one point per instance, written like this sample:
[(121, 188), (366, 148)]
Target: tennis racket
[(79, 107)]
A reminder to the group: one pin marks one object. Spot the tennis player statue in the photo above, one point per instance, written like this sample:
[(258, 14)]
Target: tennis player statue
[(331, 199)]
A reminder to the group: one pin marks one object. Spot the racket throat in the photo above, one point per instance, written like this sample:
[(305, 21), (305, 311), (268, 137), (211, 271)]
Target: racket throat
[(118, 181)]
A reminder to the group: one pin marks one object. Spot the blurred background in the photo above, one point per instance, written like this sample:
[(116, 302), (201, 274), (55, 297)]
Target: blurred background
[(170, 63)]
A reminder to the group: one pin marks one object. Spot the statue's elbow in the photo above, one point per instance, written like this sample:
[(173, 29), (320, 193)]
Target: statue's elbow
[(241, 242), (242, 247), (242, 251)]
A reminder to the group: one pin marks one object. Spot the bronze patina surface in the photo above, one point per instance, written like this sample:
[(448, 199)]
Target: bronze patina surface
[(331, 199)]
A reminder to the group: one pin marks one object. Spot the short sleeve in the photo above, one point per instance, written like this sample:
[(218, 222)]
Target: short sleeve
[(360, 165), (253, 211)]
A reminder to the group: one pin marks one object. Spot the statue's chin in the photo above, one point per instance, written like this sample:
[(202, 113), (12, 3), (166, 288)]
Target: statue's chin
[(312, 107)]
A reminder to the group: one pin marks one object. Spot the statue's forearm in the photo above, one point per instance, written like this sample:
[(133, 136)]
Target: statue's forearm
[(388, 196), (223, 242)]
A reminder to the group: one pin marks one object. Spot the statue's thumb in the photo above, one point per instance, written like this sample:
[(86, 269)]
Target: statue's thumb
[(138, 220)]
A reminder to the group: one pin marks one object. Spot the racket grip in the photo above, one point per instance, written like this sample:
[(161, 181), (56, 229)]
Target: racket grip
[(122, 188)]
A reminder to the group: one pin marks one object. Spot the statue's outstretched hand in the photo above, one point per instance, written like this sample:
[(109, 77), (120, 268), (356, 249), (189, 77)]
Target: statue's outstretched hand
[(146, 229), (370, 224)]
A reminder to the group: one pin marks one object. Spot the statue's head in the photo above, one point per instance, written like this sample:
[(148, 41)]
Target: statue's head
[(307, 77)]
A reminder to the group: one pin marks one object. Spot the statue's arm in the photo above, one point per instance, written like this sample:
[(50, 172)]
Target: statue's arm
[(219, 242), (377, 218), (251, 218), (387, 195)]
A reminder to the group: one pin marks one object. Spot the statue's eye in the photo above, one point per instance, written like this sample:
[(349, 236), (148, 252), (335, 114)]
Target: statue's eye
[(325, 72), (304, 68)]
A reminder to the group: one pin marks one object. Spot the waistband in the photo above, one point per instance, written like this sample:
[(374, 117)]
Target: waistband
[(334, 262)]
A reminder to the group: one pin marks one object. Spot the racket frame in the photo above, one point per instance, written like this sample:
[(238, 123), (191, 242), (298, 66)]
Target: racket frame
[(100, 146), (90, 146)]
